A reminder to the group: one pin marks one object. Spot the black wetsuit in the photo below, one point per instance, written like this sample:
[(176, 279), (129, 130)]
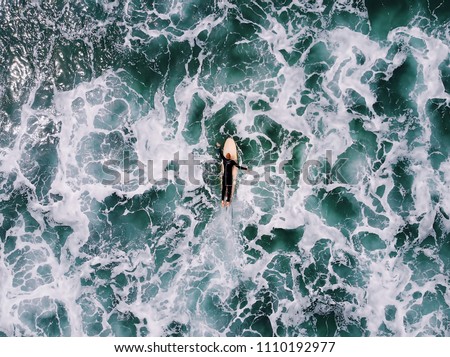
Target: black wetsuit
[(227, 178)]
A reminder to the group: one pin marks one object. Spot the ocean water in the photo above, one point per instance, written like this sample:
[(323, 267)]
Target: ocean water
[(110, 218)]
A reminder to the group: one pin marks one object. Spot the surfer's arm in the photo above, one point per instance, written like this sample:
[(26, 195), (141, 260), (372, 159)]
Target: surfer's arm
[(241, 167), (221, 154)]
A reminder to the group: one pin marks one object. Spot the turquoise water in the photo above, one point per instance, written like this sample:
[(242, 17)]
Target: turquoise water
[(341, 110)]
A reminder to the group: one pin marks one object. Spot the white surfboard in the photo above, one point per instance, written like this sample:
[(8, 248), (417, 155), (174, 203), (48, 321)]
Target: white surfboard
[(230, 148)]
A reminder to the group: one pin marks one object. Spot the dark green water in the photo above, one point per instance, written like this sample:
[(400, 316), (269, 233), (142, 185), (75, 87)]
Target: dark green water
[(341, 110)]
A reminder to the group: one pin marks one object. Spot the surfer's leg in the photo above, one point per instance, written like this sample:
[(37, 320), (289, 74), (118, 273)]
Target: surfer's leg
[(229, 190), (224, 187)]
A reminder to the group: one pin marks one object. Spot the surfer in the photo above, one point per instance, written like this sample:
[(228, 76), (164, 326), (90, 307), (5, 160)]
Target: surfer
[(227, 178)]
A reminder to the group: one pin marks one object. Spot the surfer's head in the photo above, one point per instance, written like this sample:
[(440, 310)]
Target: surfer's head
[(228, 156)]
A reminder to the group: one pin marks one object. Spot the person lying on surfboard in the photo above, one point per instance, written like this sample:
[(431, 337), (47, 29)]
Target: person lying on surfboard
[(227, 178)]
